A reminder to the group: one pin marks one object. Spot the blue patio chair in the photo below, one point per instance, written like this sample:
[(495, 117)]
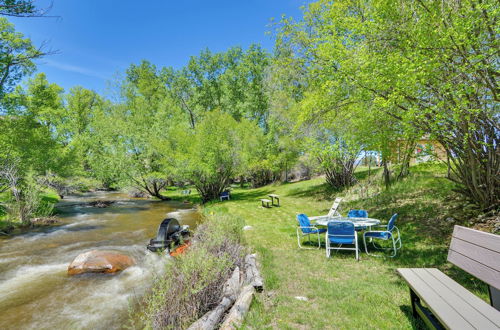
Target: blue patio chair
[(339, 233), (225, 195), (358, 214), (306, 228), (391, 232)]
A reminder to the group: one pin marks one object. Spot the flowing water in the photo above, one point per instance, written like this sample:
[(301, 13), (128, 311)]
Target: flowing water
[(37, 293)]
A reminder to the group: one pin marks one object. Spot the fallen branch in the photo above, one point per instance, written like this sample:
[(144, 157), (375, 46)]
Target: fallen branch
[(237, 313), (230, 293)]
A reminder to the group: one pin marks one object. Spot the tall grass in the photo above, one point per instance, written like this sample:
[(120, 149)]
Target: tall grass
[(193, 282)]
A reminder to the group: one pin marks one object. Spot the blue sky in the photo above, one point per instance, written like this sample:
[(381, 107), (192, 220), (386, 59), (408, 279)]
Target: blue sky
[(96, 39)]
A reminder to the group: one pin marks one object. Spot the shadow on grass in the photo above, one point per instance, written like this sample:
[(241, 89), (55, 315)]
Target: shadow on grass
[(364, 174), (250, 195), (416, 323), (320, 192)]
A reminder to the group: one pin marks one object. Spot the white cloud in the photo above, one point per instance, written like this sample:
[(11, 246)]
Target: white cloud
[(75, 68)]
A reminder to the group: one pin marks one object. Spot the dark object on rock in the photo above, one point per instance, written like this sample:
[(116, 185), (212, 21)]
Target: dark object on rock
[(136, 193), (169, 232), (96, 261), (100, 204), (44, 221)]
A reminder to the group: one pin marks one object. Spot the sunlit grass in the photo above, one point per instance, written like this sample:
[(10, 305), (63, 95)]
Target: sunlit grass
[(341, 292)]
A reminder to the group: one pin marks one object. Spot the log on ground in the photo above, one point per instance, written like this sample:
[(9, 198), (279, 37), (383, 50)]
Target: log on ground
[(252, 274), (237, 313), (230, 293)]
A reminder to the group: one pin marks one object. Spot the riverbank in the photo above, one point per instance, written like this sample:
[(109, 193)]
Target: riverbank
[(340, 292), (8, 227), (193, 282)]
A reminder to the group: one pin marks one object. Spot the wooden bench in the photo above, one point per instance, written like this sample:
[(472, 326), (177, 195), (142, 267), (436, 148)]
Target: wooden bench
[(448, 303), (265, 201), (273, 196)]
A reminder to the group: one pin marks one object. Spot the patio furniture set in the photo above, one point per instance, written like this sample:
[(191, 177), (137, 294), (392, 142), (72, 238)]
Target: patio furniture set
[(341, 233)]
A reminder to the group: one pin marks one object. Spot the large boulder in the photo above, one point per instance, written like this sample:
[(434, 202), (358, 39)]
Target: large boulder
[(99, 261)]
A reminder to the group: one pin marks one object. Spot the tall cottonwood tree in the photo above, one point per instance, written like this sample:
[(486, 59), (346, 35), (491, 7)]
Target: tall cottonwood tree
[(134, 134), (231, 81), (431, 65)]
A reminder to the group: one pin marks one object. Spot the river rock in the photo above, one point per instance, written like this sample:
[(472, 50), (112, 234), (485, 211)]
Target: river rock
[(99, 261)]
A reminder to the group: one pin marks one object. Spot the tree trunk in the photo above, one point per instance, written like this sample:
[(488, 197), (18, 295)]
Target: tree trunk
[(387, 175)]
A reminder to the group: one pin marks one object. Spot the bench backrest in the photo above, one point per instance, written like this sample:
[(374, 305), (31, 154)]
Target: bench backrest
[(476, 252)]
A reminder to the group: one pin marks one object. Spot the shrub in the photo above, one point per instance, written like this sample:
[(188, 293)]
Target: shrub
[(193, 283), (27, 201)]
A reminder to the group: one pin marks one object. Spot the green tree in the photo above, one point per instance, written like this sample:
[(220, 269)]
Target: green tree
[(132, 137), (213, 153), (17, 54), (30, 128), (432, 66), (18, 8), (232, 82), (76, 127)]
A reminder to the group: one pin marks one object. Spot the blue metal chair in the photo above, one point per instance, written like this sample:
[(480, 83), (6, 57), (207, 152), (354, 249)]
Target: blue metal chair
[(225, 195), (358, 214), (339, 233), (391, 232), (306, 228)]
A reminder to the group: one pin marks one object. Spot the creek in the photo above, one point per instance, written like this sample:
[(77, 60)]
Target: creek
[(37, 293)]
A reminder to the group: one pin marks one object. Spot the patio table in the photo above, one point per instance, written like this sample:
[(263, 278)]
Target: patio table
[(358, 222)]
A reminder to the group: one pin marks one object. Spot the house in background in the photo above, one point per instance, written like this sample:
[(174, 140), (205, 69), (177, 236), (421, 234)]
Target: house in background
[(425, 149)]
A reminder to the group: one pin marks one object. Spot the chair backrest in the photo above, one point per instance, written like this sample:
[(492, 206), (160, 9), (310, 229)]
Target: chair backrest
[(392, 222), (341, 228), (224, 194), (333, 210), (357, 214), (304, 222), (476, 252)]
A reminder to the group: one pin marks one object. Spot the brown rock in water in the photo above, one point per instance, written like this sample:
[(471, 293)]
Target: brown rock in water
[(97, 261), (44, 221)]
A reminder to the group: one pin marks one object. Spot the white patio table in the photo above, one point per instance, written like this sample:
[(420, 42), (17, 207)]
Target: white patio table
[(358, 222)]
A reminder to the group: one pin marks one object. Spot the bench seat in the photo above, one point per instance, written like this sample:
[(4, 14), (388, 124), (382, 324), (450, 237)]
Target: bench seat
[(453, 305), (266, 201)]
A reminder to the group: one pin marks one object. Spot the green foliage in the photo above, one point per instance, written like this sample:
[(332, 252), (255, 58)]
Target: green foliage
[(130, 141), (27, 201), (16, 56), (399, 69), (30, 129), (215, 151), (17, 8), (337, 158), (232, 82)]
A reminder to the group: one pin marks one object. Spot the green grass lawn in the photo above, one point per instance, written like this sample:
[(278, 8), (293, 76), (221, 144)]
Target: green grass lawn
[(343, 293)]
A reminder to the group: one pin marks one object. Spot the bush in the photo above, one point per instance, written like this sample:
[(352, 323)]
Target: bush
[(27, 201), (193, 283)]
